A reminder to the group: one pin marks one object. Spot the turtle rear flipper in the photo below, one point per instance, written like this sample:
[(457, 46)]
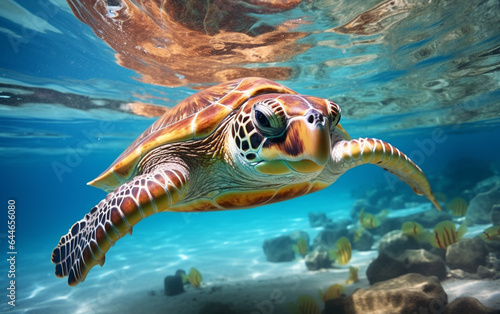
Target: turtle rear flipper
[(89, 239)]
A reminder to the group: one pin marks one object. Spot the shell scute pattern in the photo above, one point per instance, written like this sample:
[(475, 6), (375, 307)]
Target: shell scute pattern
[(196, 117)]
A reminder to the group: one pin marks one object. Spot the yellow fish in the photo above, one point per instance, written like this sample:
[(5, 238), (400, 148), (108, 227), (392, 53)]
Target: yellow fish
[(368, 221), (333, 292), (416, 230), (305, 305), (301, 247), (358, 234), (458, 206), (491, 233), (353, 275), (343, 252), (445, 234), (194, 277)]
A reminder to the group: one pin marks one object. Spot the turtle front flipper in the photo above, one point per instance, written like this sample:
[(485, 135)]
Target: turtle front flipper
[(89, 239), (349, 154)]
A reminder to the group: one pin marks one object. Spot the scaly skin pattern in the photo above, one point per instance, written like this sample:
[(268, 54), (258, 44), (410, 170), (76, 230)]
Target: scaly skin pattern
[(272, 145)]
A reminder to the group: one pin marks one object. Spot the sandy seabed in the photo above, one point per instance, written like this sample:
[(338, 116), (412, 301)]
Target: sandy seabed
[(230, 258), (255, 286), (268, 295)]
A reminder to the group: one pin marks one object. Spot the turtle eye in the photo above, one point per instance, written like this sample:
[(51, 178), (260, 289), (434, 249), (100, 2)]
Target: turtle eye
[(269, 118), (262, 119), (334, 114)]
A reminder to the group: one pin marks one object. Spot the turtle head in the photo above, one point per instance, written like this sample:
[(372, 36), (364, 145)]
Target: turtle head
[(278, 134)]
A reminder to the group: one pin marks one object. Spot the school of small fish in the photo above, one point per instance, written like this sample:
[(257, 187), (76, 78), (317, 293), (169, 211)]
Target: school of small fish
[(443, 235)]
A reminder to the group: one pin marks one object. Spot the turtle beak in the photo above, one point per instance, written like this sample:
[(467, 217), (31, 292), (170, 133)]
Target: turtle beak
[(315, 138), (306, 148)]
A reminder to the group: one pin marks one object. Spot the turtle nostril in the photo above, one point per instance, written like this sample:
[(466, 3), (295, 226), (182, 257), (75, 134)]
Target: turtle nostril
[(315, 118)]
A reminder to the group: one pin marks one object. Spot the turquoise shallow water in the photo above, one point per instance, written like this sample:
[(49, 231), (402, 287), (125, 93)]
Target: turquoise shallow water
[(422, 75)]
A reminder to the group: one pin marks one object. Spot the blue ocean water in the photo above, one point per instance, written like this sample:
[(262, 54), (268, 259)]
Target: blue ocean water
[(421, 75)]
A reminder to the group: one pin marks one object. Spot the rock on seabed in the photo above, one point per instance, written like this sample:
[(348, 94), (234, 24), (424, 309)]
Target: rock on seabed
[(387, 266), (410, 293), (467, 254)]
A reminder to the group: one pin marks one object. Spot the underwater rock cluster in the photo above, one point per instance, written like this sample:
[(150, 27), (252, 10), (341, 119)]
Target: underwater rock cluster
[(173, 285), (387, 266), (284, 248), (410, 293), (318, 219), (395, 243), (279, 249), (319, 258), (468, 305), (333, 230), (399, 295), (329, 247), (443, 245), (328, 237), (400, 254), (362, 239), (416, 252), (467, 254), (484, 207)]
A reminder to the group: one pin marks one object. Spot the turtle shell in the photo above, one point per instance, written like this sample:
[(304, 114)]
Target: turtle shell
[(194, 118)]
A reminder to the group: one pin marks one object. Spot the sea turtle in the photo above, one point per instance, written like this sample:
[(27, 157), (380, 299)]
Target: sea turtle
[(240, 144)]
